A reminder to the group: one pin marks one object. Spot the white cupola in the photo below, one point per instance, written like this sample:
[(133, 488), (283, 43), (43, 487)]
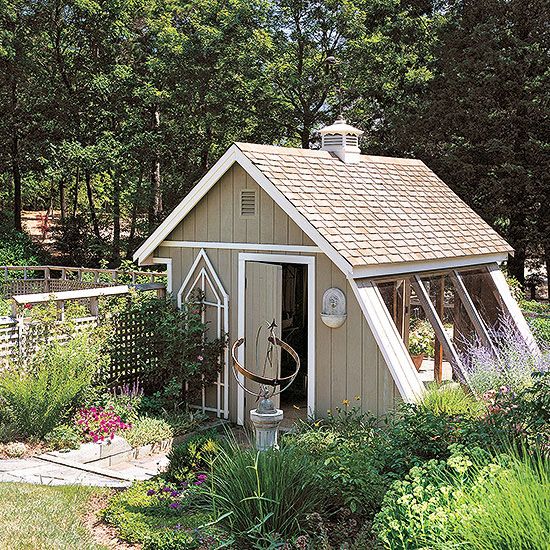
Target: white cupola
[(343, 140)]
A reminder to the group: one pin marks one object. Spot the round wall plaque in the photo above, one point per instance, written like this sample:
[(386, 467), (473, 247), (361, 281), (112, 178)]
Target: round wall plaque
[(334, 312)]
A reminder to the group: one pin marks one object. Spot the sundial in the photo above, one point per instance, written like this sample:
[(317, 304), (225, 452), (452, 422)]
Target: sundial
[(265, 417)]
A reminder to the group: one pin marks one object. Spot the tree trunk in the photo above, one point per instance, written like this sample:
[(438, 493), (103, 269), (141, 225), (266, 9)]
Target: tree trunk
[(62, 198), (133, 218), (155, 209), (516, 265), (76, 187), (15, 157), (305, 136), (116, 217), (16, 174), (547, 264), (88, 179)]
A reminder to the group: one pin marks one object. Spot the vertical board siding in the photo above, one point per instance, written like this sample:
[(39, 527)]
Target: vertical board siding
[(348, 361)]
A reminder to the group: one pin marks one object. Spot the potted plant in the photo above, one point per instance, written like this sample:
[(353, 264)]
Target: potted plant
[(421, 342)]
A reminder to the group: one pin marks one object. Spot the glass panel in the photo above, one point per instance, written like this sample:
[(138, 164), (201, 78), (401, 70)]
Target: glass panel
[(485, 296), (415, 329)]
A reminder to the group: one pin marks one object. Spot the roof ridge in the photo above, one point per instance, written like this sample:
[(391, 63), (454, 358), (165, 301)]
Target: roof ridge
[(298, 151)]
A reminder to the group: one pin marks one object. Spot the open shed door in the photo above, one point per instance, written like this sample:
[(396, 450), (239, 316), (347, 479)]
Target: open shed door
[(263, 304)]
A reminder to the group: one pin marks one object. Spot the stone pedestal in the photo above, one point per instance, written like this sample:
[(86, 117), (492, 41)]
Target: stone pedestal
[(266, 426)]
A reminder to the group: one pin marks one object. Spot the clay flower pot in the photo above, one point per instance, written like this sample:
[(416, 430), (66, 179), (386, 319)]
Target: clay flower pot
[(417, 360)]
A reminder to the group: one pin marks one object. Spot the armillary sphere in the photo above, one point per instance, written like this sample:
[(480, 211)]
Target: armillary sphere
[(267, 385)]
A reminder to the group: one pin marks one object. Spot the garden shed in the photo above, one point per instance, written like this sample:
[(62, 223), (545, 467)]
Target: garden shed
[(348, 253)]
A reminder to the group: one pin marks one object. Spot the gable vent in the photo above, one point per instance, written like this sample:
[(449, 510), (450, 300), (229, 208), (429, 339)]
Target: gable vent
[(248, 202)]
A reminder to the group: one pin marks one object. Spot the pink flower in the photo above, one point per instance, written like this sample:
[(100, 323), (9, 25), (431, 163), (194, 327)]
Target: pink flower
[(200, 358)]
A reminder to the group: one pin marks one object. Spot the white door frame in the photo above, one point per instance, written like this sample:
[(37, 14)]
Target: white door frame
[(309, 261)]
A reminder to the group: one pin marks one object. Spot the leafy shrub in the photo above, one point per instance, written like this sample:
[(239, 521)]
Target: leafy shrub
[(125, 400), (16, 248), (450, 399), (471, 500), (421, 338), (342, 445), (42, 393), (183, 422), (186, 355), (147, 429), (257, 495), (540, 327), (63, 437), (524, 417), (193, 455), (162, 516), (427, 507), (98, 424)]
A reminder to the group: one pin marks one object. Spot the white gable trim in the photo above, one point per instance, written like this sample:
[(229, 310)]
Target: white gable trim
[(232, 155)]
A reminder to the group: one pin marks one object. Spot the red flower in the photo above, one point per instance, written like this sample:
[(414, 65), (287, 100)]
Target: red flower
[(28, 306)]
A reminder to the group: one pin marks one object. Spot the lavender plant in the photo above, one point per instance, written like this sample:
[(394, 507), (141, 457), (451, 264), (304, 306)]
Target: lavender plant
[(512, 366)]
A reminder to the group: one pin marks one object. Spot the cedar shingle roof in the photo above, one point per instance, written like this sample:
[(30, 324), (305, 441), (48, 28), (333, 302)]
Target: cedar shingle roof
[(378, 211)]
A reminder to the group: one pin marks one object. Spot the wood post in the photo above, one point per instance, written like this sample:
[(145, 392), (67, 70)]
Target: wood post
[(438, 347)]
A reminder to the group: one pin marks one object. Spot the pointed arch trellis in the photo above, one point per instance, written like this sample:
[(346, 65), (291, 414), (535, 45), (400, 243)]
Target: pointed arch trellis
[(202, 276)]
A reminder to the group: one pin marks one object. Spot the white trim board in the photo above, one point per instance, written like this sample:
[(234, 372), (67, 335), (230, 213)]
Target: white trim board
[(241, 282), (403, 268), (241, 246), (389, 341), (513, 308), (202, 255), (169, 272)]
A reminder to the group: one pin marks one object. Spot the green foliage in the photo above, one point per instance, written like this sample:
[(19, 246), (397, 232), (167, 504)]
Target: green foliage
[(16, 248), (261, 495), (421, 339), (451, 399), (541, 329), (65, 436), (534, 307), (427, 507), (344, 446), (146, 513), (512, 511), (195, 454), (471, 500), (183, 354), (147, 429), (40, 394)]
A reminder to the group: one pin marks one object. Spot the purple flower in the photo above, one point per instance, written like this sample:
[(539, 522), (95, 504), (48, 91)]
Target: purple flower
[(174, 493), (166, 489), (201, 477), (151, 492), (175, 505)]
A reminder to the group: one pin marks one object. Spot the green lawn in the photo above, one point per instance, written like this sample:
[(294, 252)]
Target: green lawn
[(34, 517)]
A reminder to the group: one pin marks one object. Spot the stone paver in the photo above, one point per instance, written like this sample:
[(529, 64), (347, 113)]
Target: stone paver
[(43, 472)]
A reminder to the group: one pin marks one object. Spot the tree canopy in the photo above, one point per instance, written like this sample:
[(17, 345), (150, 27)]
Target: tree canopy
[(111, 111)]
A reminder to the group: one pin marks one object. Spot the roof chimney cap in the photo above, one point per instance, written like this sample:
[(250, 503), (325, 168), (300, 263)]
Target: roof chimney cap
[(343, 140)]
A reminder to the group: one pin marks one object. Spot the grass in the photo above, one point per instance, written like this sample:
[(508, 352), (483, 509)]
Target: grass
[(35, 517), (514, 511)]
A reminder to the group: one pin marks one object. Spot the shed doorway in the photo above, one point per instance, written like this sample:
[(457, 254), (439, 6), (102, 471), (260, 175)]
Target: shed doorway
[(280, 291)]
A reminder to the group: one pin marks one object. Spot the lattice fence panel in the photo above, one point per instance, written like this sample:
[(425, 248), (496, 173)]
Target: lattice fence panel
[(132, 350), (9, 341)]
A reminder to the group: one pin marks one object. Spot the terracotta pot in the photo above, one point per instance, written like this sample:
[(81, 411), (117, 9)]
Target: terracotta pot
[(417, 360)]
